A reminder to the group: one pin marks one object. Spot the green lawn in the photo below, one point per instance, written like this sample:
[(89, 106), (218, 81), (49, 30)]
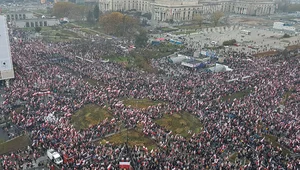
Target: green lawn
[(70, 34), (188, 27), (135, 137), (167, 29), (140, 103), (89, 115), (181, 123), (93, 82), (286, 97), (183, 32), (118, 59), (274, 143), (57, 33), (237, 95), (88, 31), (19, 109), (84, 24), (233, 157), (14, 144)]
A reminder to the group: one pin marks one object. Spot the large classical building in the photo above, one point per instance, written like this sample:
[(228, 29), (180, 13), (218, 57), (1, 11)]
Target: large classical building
[(184, 10)]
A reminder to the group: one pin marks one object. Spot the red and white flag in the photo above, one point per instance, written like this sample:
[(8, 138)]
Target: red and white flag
[(124, 165)]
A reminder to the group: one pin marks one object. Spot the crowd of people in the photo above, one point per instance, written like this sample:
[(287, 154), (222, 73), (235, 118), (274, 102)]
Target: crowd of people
[(51, 81)]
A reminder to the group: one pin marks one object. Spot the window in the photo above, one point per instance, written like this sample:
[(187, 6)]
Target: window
[(45, 23), (27, 24)]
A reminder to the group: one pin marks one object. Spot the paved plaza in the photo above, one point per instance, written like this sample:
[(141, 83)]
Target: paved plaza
[(261, 39)]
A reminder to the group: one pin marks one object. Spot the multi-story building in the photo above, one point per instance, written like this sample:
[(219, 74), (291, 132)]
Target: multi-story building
[(184, 10)]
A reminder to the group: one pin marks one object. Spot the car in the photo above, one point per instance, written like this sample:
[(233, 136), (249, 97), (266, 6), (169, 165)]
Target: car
[(54, 156), (213, 42)]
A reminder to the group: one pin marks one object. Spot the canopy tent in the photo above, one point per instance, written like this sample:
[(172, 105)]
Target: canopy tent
[(192, 63), (219, 68), (178, 59)]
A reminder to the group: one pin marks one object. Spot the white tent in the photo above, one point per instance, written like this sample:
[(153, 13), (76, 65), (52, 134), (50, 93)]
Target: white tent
[(179, 58), (219, 68)]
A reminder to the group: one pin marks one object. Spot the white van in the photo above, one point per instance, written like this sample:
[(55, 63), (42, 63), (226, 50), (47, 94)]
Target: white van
[(54, 156)]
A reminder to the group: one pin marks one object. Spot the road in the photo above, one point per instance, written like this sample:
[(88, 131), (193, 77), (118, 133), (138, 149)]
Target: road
[(43, 161)]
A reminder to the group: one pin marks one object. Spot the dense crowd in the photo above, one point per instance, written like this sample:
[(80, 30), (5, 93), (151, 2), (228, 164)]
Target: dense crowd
[(51, 80)]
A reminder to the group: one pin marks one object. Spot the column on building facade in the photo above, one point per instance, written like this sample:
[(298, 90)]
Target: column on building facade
[(272, 10), (264, 10), (258, 11)]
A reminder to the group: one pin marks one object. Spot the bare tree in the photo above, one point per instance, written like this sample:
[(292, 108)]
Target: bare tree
[(216, 16), (198, 19)]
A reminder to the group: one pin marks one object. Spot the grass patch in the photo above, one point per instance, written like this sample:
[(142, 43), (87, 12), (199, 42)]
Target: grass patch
[(134, 138), (84, 24), (14, 144), (140, 103), (167, 29), (233, 157), (56, 39), (274, 143), (286, 97), (266, 54), (193, 26), (181, 123), (89, 115), (88, 31), (237, 95), (118, 59), (285, 41), (19, 109), (27, 29), (90, 81), (183, 32), (58, 33), (70, 33)]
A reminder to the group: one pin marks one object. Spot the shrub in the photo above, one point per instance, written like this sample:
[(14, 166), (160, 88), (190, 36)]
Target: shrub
[(229, 42), (286, 36)]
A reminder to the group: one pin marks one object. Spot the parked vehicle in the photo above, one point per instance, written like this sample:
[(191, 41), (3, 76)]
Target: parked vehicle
[(54, 156)]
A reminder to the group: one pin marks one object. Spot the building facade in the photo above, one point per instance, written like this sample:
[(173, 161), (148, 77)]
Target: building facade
[(36, 22), (19, 15), (184, 10)]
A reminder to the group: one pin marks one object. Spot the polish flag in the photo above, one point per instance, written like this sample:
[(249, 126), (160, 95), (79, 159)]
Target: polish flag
[(124, 165)]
